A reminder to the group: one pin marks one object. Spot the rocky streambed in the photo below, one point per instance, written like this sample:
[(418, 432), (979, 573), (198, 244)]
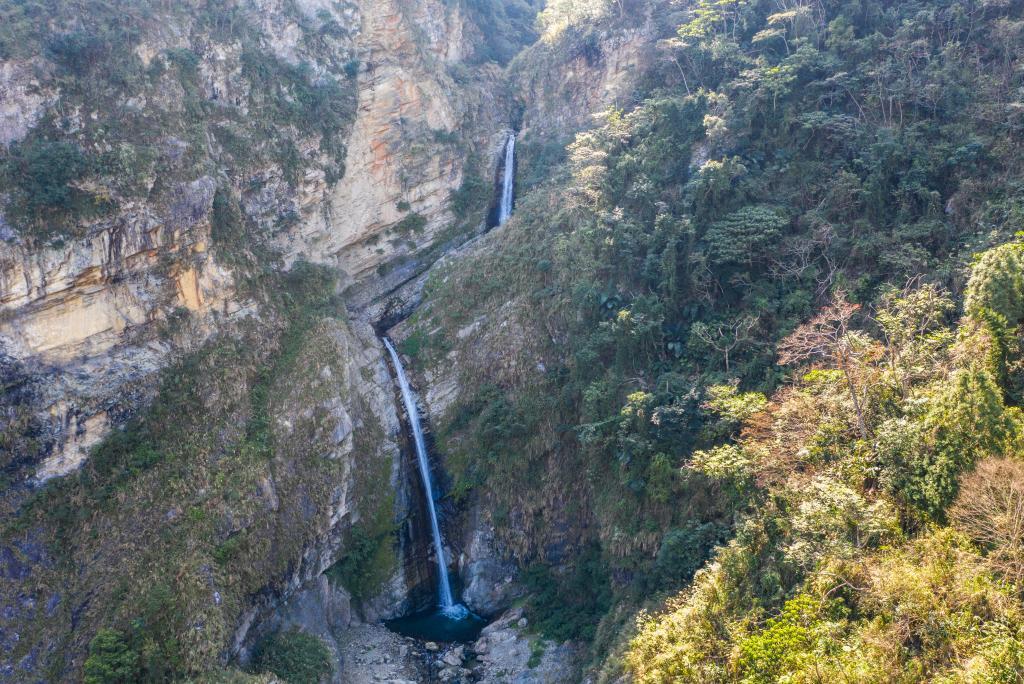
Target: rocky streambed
[(505, 652)]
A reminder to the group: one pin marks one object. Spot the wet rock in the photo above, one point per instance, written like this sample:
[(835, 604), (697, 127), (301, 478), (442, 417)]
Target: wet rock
[(454, 657), (489, 585)]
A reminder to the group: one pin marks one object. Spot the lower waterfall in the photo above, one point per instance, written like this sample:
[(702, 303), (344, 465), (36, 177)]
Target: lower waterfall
[(452, 621)]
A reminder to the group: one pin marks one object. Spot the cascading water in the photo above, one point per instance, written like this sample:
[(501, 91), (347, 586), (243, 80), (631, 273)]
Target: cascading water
[(453, 622), (446, 600), (509, 181)]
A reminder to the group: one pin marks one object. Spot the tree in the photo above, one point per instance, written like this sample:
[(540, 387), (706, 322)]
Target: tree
[(743, 236), (997, 283), (725, 337), (828, 336), (965, 420), (294, 656), (732, 407), (909, 319), (990, 509), (111, 660), (831, 519)]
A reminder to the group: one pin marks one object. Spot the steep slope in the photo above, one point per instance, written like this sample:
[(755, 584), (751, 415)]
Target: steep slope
[(706, 191), (139, 195)]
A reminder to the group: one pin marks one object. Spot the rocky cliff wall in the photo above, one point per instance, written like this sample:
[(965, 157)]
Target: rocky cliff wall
[(87, 308)]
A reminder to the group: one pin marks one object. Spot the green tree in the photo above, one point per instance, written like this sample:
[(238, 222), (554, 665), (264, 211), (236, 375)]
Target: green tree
[(965, 420), (111, 660), (743, 236), (997, 283), (790, 642), (296, 657), (43, 170)]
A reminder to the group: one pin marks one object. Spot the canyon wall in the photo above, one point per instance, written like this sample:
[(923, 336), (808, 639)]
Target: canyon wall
[(90, 312)]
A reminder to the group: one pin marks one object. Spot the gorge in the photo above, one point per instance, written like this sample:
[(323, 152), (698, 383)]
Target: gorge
[(511, 341)]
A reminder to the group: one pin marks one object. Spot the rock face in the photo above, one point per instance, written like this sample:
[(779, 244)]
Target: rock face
[(488, 577), (278, 523), (507, 655), (94, 313), (23, 99), (89, 313), (370, 653), (563, 85), (408, 150)]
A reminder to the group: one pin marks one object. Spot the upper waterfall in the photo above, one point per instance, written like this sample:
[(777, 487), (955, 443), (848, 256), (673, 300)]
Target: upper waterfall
[(508, 183)]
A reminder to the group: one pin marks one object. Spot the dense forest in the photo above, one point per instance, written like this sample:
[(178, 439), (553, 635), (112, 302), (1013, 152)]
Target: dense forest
[(778, 301)]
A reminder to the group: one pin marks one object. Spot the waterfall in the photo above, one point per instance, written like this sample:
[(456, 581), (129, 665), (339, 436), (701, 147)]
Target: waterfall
[(447, 601), (508, 184)]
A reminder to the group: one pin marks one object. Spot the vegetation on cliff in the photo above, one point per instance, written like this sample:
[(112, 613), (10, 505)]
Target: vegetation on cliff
[(740, 380), (209, 497), (134, 110)]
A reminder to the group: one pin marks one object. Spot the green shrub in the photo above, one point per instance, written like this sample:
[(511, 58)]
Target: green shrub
[(368, 559), (111, 660), (471, 194), (43, 170), (997, 283), (413, 223), (790, 642), (569, 606), (296, 657)]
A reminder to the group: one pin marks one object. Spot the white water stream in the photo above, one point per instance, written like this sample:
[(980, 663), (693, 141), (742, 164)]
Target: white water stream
[(508, 183), (449, 608), (446, 599)]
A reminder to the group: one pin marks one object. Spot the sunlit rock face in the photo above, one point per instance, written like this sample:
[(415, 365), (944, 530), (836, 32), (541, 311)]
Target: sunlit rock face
[(92, 314), (562, 88), (409, 149), (23, 99)]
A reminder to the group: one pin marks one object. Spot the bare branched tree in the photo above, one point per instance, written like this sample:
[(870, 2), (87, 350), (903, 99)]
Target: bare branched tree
[(726, 337), (990, 509), (828, 337)]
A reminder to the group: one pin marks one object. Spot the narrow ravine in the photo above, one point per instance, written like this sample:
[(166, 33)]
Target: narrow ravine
[(450, 620), (447, 603)]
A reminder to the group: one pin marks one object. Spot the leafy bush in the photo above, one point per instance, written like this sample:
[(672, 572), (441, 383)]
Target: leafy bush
[(111, 660), (296, 657), (413, 223), (743, 236), (367, 560), (472, 194), (997, 282), (568, 606), (43, 171), (790, 642)]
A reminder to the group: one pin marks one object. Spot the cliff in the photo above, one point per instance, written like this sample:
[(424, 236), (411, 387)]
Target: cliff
[(88, 295)]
